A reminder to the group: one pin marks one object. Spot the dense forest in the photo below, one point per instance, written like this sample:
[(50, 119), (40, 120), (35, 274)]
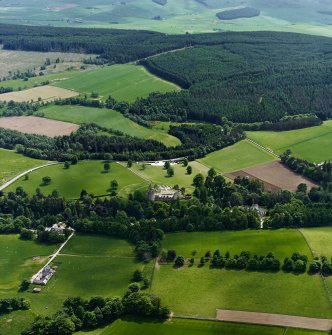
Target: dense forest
[(246, 77)]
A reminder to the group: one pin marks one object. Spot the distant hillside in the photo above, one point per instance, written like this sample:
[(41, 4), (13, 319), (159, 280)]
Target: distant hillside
[(239, 13)]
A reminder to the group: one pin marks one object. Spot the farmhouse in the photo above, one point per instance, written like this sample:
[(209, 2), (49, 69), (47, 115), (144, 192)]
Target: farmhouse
[(163, 193), (261, 212), (59, 228), (43, 276)]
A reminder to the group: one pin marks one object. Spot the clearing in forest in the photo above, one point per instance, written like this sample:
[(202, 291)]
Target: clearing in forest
[(38, 126)]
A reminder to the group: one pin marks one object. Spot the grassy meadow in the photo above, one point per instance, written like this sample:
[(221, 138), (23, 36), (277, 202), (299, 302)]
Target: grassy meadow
[(312, 144), (123, 82), (281, 242), (87, 175), (319, 240), (158, 175), (12, 163), (236, 157), (108, 119)]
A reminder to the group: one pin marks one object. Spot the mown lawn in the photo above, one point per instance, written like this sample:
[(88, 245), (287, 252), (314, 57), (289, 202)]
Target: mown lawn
[(122, 82), (158, 175), (131, 326), (87, 175), (236, 157), (108, 119), (312, 144), (11, 164), (282, 243)]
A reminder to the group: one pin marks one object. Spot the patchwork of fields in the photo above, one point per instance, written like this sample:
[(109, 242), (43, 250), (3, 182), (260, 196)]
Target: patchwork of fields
[(312, 144), (108, 119), (86, 175)]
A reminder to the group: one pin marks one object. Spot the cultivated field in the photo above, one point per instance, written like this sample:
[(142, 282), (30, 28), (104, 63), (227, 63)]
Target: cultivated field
[(312, 144), (158, 175), (87, 175), (43, 93), (37, 125), (192, 327), (319, 240), (238, 156), (275, 177), (109, 119), (11, 164), (122, 82)]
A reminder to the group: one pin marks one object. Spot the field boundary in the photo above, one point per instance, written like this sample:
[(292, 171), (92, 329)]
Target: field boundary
[(274, 320), (271, 152), (14, 179)]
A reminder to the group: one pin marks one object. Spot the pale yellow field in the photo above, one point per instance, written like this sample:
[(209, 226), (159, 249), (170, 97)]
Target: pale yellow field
[(42, 93)]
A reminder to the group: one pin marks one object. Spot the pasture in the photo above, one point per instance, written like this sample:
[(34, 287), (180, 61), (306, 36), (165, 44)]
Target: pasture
[(207, 289), (281, 242), (240, 155), (158, 175), (12, 163), (123, 82), (312, 144), (15, 323), (274, 176), (191, 327), (109, 119), (44, 93), (87, 175), (38, 126)]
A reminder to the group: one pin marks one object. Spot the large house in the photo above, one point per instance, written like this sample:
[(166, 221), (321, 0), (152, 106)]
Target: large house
[(43, 276), (163, 193), (59, 228)]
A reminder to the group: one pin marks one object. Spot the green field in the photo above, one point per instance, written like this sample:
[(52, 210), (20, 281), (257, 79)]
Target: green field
[(87, 175), (238, 156), (312, 144), (191, 327), (15, 323), (319, 240), (157, 174), (281, 242), (109, 119), (122, 82), (207, 289), (11, 164)]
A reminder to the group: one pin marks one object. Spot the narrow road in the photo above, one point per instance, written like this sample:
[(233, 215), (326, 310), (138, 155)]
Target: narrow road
[(11, 181), (56, 254), (271, 152)]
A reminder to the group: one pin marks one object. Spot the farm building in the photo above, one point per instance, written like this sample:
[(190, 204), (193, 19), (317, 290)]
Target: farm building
[(59, 228), (43, 276), (163, 193)]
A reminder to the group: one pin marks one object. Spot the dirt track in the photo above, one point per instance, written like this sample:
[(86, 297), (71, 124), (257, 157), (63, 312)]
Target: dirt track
[(274, 320), (38, 125)]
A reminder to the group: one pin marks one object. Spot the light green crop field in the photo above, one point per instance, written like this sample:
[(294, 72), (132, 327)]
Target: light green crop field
[(236, 157), (108, 119), (319, 240), (87, 175), (11, 164), (157, 174), (282, 243), (312, 144), (122, 82), (191, 327)]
